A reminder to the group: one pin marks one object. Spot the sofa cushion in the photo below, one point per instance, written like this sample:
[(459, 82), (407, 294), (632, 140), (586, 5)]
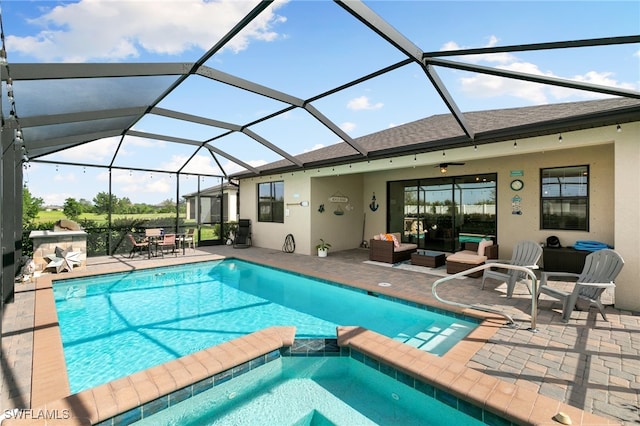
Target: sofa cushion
[(405, 247), (390, 237), (467, 257)]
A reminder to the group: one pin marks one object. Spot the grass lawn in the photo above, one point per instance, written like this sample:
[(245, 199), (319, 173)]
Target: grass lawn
[(207, 232), (52, 216)]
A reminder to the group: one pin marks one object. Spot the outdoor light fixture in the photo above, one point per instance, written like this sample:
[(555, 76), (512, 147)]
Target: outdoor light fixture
[(444, 166), (560, 138), (618, 128), (515, 144)]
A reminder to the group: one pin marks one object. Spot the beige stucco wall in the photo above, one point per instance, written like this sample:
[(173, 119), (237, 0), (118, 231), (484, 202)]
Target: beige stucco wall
[(614, 214), (272, 235), (627, 216), (342, 231), (308, 224)]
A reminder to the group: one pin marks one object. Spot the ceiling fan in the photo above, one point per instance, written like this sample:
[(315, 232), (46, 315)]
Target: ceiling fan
[(443, 166)]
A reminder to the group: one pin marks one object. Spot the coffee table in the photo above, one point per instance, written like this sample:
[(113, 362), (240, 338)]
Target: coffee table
[(431, 259)]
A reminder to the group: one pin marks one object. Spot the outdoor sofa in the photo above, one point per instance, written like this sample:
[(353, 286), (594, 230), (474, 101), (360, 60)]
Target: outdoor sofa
[(389, 248)]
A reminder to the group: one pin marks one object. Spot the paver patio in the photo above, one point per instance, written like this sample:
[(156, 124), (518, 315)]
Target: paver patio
[(588, 363)]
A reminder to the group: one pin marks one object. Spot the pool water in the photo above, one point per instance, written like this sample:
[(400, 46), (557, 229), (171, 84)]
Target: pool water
[(115, 325), (311, 391)]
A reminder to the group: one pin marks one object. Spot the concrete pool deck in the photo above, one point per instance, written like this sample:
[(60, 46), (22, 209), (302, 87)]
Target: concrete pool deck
[(589, 364)]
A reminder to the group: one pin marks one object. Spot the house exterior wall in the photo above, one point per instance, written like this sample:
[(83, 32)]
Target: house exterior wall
[(342, 231), (512, 228), (614, 182), (297, 221), (627, 216)]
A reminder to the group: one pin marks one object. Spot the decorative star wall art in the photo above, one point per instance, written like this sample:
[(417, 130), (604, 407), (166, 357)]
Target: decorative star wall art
[(63, 260)]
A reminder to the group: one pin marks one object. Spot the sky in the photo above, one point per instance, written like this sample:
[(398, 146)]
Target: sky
[(302, 48)]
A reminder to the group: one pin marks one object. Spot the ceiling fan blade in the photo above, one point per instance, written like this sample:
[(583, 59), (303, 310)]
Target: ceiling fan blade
[(445, 165)]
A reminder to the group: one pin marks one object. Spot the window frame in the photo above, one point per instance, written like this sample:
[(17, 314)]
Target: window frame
[(270, 208), (561, 200)]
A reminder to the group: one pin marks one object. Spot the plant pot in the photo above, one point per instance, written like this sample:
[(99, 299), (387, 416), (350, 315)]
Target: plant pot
[(323, 252)]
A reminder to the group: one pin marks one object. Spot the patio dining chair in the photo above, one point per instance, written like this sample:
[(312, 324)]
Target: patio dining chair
[(598, 274), (168, 241), (137, 245), (189, 239), (525, 253)]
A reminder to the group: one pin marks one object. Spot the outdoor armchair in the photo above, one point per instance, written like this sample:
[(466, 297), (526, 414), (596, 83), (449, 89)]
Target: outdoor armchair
[(599, 273), (472, 254), (525, 253)]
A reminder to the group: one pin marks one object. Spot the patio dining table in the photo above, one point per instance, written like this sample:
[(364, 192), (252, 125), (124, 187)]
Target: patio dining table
[(154, 239)]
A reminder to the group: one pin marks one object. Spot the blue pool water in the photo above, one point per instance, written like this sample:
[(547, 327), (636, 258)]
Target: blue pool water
[(312, 391), (114, 325)]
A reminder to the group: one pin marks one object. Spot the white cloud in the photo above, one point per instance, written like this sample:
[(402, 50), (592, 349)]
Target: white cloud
[(450, 45), (347, 126), (92, 152), (55, 198), (489, 86), (124, 29), (198, 164), (591, 77), (104, 149), (495, 58), (65, 177), (162, 185), (132, 184), (313, 148), (363, 102), (232, 168)]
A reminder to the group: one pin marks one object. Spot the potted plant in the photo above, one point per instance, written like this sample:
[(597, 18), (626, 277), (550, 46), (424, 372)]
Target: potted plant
[(323, 248)]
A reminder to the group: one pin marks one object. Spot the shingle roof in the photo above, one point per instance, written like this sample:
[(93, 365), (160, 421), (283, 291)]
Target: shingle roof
[(442, 131)]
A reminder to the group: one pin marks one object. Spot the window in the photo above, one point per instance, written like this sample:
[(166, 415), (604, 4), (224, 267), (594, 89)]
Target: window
[(271, 202), (564, 198)]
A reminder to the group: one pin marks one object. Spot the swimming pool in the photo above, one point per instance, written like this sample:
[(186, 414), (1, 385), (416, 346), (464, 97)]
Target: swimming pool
[(311, 391), (114, 325)]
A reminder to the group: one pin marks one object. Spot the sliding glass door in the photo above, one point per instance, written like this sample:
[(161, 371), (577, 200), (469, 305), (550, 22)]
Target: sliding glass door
[(435, 213)]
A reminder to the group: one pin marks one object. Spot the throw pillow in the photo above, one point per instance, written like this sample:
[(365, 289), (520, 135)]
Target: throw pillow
[(391, 237)]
